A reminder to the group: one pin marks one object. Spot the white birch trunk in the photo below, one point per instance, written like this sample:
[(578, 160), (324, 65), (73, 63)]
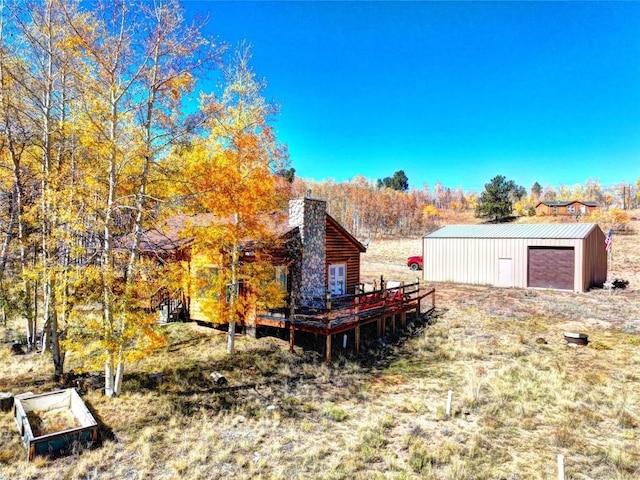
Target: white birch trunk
[(109, 387), (107, 271), (231, 340), (117, 381)]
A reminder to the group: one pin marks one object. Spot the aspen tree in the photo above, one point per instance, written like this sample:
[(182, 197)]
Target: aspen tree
[(139, 63), (231, 174), (41, 70)]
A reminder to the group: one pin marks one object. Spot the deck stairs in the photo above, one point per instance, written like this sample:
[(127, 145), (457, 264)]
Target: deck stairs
[(171, 306)]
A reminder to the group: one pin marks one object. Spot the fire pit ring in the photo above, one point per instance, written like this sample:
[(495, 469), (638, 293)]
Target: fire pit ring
[(573, 338)]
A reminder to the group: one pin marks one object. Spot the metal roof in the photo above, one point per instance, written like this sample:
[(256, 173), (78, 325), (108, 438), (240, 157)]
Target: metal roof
[(539, 230), (565, 203)]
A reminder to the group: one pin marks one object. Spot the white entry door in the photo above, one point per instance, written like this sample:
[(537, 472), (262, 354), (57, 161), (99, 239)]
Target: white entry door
[(505, 272), (337, 279)]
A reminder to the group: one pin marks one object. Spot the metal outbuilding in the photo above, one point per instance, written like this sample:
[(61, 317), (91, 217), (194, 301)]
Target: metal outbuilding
[(567, 256)]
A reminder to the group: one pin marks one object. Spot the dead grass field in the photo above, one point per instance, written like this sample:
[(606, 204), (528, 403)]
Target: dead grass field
[(520, 395)]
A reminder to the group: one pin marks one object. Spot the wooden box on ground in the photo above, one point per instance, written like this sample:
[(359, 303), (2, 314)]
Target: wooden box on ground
[(53, 423)]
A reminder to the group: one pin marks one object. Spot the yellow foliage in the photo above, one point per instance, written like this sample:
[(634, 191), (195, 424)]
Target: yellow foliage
[(431, 211), (619, 216), (615, 218), (229, 175)]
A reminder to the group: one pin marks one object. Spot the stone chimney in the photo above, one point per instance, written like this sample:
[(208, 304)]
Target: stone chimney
[(309, 215)]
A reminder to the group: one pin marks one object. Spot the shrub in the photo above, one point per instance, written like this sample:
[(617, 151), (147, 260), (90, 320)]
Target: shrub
[(334, 412)]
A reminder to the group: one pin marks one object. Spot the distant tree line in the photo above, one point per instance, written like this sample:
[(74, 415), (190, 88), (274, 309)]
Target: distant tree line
[(386, 208)]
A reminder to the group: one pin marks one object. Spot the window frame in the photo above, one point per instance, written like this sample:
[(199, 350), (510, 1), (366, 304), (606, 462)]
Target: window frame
[(336, 283)]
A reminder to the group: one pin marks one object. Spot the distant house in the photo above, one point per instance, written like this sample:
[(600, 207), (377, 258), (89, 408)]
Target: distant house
[(567, 256), (569, 208), (314, 255)]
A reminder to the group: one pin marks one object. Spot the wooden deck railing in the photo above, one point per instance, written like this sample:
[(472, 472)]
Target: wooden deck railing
[(347, 309), (395, 299), (351, 312)]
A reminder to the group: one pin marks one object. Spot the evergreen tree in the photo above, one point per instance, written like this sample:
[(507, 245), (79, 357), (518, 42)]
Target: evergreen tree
[(399, 182), (496, 202), (536, 189)]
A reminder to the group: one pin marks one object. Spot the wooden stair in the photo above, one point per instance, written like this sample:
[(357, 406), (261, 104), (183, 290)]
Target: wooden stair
[(172, 307)]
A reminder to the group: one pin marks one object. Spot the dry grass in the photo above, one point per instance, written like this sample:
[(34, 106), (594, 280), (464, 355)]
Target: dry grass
[(520, 396)]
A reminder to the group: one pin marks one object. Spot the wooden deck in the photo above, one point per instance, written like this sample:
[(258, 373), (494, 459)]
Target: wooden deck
[(351, 312)]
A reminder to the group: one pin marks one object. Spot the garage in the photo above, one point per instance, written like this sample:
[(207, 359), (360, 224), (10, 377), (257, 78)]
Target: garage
[(551, 267), (562, 256)]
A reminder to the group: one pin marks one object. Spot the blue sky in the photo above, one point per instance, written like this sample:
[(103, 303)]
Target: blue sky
[(455, 92)]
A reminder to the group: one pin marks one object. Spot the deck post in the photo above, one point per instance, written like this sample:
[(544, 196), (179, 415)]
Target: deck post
[(292, 334), (357, 333), (292, 315), (403, 319), (328, 353), (292, 308), (250, 328)]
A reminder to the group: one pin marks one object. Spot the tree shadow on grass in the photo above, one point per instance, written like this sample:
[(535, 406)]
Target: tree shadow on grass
[(257, 379), (104, 431)]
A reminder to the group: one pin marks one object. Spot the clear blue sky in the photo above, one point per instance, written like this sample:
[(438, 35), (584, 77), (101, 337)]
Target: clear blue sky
[(454, 92)]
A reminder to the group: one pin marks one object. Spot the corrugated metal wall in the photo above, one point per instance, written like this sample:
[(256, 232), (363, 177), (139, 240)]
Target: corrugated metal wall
[(595, 260), (475, 260)]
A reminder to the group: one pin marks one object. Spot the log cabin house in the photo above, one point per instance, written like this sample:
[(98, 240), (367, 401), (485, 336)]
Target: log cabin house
[(315, 259), (312, 255), (569, 208)]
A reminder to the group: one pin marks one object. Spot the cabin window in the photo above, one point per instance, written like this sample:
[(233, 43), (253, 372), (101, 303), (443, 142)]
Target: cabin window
[(206, 281), (281, 277), (571, 209), (555, 209), (234, 290), (337, 279)]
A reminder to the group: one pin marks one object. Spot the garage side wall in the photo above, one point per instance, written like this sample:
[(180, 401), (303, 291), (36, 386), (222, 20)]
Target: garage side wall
[(595, 260), (476, 261)]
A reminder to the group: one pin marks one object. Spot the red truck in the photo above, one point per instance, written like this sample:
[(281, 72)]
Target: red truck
[(415, 262)]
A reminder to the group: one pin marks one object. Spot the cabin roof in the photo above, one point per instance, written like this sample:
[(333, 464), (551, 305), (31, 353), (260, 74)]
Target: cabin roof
[(565, 203), (176, 231), (346, 234)]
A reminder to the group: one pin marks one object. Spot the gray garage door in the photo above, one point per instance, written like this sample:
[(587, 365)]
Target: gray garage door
[(551, 267)]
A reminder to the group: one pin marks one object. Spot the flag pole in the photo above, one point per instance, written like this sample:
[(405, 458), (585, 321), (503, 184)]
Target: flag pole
[(608, 245), (611, 248)]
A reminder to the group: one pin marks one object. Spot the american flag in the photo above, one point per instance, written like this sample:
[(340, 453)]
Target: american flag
[(608, 240)]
